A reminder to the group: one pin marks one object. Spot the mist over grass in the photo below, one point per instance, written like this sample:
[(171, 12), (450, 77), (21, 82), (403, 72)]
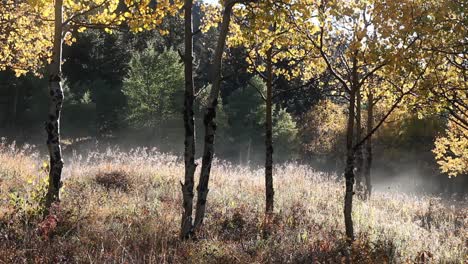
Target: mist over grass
[(125, 207)]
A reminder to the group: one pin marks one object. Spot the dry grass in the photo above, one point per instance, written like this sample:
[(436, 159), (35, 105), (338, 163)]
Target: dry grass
[(114, 179), (120, 207)]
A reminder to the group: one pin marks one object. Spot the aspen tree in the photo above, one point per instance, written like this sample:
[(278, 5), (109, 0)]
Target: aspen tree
[(67, 16), (264, 30), (359, 40)]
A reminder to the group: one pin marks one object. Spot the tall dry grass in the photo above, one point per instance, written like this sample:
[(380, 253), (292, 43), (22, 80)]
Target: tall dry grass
[(125, 207)]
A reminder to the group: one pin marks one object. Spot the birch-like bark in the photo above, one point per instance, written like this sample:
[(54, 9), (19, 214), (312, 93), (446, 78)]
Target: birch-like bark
[(189, 151), (209, 117), (55, 108), (269, 190)]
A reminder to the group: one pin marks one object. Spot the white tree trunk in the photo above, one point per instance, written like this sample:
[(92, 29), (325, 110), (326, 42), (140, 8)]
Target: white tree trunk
[(55, 108), (210, 115)]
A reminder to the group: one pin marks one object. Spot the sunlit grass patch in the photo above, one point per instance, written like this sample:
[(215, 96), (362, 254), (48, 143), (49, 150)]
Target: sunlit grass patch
[(132, 215)]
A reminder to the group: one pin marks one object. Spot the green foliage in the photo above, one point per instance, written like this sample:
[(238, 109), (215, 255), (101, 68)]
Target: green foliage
[(245, 111), (285, 136), (245, 107), (86, 99), (107, 100), (96, 64), (200, 103), (29, 202), (153, 87), (23, 103), (80, 116), (222, 126)]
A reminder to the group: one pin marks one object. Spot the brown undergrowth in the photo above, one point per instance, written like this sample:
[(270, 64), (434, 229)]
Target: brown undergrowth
[(125, 207)]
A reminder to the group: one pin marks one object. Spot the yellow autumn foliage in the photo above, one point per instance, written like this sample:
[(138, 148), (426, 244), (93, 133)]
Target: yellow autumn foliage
[(26, 26), (25, 39), (451, 150)]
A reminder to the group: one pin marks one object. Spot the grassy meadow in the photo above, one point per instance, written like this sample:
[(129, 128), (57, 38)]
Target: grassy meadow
[(125, 207)]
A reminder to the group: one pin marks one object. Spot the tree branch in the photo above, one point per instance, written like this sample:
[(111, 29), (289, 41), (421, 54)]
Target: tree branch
[(258, 90), (392, 108)]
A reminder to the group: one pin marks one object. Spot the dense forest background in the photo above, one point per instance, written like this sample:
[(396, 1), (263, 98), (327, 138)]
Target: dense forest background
[(233, 131), (127, 89)]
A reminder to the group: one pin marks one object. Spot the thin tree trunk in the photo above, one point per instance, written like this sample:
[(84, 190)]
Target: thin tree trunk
[(370, 124), (189, 124), (350, 152), (209, 118), (349, 170), (359, 154), (55, 108), (269, 190)]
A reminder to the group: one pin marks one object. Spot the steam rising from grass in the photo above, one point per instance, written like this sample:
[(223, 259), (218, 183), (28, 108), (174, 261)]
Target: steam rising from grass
[(141, 223)]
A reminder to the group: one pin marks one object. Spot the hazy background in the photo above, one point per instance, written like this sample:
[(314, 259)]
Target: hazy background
[(107, 103)]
